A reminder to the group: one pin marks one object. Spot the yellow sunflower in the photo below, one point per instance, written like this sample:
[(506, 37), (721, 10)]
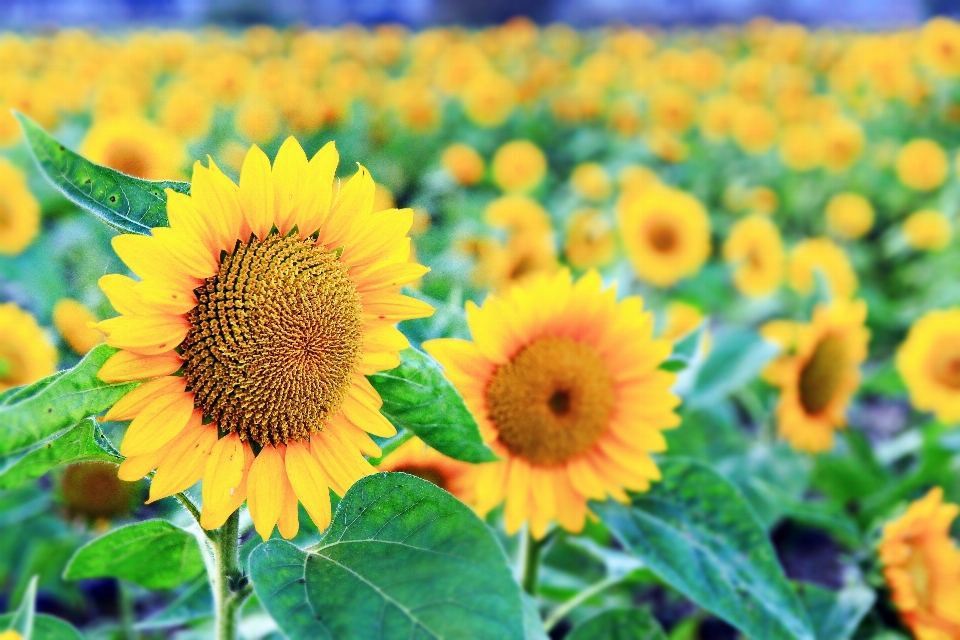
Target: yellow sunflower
[(518, 166), (258, 314), (921, 565), (849, 215), (818, 373), (927, 230), (19, 211), (417, 459), (929, 363), (820, 254), (26, 354), (134, 146), (939, 47), (591, 181), (590, 240), (565, 385), (755, 249), (463, 163), (666, 233), (922, 165), (72, 319)]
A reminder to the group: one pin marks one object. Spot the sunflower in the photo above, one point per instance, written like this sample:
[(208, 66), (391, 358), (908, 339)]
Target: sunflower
[(26, 354), (929, 363), (755, 128), (591, 181), (801, 147), (820, 254), (666, 233), (73, 321), (93, 491), (417, 459), (565, 385), (134, 146), (518, 166), (818, 373), (921, 565), (463, 163), (590, 240), (849, 215), (755, 249), (843, 142), (256, 120), (19, 210), (927, 230), (939, 47), (922, 165), (258, 314), (489, 98)]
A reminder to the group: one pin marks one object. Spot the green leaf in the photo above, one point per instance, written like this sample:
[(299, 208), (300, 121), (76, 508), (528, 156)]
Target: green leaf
[(417, 397), (685, 349), (46, 628), (619, 624), (43, 410), (154, 554), (532, 624), (195, 603), (128, 204), (22, 619), (836, 614), (76, 445), (402, 559), (695, 531), (736, 358)]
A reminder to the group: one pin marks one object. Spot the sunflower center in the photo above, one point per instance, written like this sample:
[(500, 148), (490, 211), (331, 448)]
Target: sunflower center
[(822, 375), (275, 339), (552, 402), (663, 237), (127, 158), (946, 364)]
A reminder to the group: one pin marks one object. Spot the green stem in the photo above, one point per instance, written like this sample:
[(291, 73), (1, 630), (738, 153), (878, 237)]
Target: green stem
[(561, 611), (531, 564), (230, 587), (127, 617)]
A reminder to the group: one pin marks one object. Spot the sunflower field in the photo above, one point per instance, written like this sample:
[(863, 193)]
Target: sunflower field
[(524, 332)]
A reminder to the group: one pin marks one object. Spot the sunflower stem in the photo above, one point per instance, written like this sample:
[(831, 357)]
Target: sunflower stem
[(531, 564), (561, 611), (230, 587)]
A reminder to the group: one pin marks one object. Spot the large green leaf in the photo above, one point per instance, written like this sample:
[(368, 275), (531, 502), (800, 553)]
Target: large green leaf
[(46, 408), (128, 204), (402, 559), (619, 624), (836, 614), (154, 554), (695, 531), (736, 357), (79, 444), (417, 397)]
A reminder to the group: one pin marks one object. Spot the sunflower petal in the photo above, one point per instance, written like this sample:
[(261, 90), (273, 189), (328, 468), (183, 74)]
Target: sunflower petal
[(308, 482), (256, 192), (265, 488), (125, 366), (130, 405), (186, 459), (222, 477), (157, 424)]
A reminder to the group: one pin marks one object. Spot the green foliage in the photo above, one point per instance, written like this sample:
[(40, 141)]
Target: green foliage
[(154, 554), (417, 398), (401, 559), (84, 442), (128, 204), (694, 530), (33, 626), (836, 614), (685, 349), (736, 358), (619, 624), (35, 413)]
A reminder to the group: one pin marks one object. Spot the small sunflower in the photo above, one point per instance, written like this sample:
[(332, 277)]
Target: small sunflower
[(518, 166), (565, 385), (755, 249), (927, 230), (463, 163), (819, 373), (72, 319), (820, 254), (590, 240), (922, 165), (26, 354), (591, 181), (259, 312), (666, 233), (849, 215), (921, 565), (417, 459), (134, 146), (929, 363), (19, 210)]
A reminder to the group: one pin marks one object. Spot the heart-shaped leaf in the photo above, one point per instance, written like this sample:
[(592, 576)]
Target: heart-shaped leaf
[(402, 559)]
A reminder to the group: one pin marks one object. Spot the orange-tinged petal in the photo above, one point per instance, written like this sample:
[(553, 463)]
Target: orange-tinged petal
[(166, 298), (186, 459), (222, 477), (367, 418), (256, 192), (158, 423), (364, 391), (130, 405), (125, 366), (289, 521), (460, 358), (149, 335), (357, 437), (135, 468), (308, 482), (518, 495), (265, 488), (289, 169)]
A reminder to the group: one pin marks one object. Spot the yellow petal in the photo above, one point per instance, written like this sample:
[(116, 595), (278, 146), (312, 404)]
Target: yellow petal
[(289, 521), (350, 211), (148, 258), (308, 482), (386, 338), (265, 487), (222, 477), (158, 423), (130, 405), (185, 460), (122, 293), (314, 203), (289, 168), (256, 192), (384, 229), (390, 276), (183, 217), (135, 468), (394, 307), (367, 418), (218, 198), (124, 366), (190, 252), (148, 335), (518, 495)]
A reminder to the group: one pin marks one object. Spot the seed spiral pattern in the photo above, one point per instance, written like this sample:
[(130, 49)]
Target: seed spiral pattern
[(275, 339)]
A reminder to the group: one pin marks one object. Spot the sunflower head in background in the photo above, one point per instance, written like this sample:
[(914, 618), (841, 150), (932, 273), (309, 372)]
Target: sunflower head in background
[(26, 353), (417, 459), (134, 146), (257, 316), (755, 250), (929, 363), (19, 211), (564, 383)]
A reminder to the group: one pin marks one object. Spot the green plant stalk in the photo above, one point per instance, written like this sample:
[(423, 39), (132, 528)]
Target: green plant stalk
[(230, 587), (561, 611), (531, 563)]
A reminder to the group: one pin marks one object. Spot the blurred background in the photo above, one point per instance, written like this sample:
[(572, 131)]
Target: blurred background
[(873, 14)]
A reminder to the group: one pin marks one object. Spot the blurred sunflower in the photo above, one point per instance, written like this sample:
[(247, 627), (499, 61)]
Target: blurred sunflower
[(922, 165), (417, 459), (755, 128), (258, 314), (463, 163), (818, 373), (755, 250), (591, 181), (489, 98), (26, 354), (666, 233), (72, 319), (929, 363), (93, 491), (518, 166), (565, 385), (134, 146), (939, 47), (801, 147), (19, 210), (256, 120), (921, 565), (843, 142), (849, 215), (820, 254), (927, 230), (590, 241)]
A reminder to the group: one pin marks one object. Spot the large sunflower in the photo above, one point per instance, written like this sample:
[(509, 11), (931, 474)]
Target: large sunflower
[(565, 385), (257, 316), (819, 372), (929, 363)]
